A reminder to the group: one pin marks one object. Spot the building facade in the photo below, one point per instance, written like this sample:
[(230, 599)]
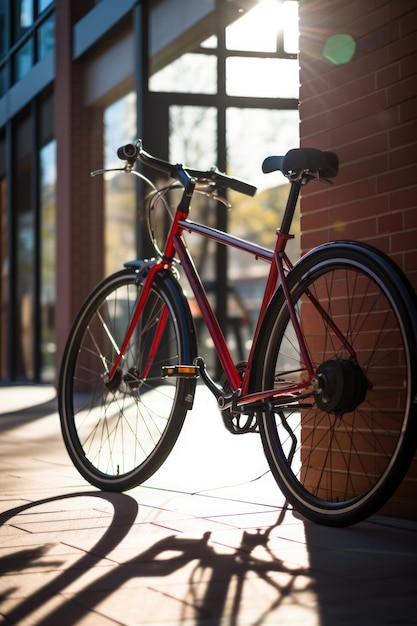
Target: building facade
[(78, 79), (203, 82)]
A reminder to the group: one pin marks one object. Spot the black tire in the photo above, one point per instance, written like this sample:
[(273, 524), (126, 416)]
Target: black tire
[(119, 434), (339, 454)]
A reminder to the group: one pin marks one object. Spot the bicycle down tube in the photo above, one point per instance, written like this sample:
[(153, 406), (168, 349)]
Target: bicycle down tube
[(208, 315)]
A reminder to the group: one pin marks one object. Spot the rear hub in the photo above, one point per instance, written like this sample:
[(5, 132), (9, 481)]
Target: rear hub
[(342, 384)]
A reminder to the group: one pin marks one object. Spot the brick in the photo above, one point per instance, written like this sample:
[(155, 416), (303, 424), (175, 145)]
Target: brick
[(357, 109), (311, 240), (402, 157), (317, 139), (408, 66), (312, 124), (362, 148), (410, 216), (401, 178), (366, 168), (402, 91), (374, 206), (363, 229), (407, 20), (407, 110), (402, 135), (311, 220), (367, 126), (388, 75), (336, 98), (410, 264), (388, 33), (390, 223), (311, 88), (358, 67), (406, 241), (403, 47), (403, 198)]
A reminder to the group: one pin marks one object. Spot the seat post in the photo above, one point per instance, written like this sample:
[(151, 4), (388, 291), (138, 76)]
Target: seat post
[(290, 207)]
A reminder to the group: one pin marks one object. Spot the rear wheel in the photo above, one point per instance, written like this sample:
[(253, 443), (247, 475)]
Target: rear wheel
[(119, 432), (340, 453)]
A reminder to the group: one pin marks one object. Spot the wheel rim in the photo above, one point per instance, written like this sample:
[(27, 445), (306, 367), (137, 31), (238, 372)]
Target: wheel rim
[(343, 457), (117, 426)]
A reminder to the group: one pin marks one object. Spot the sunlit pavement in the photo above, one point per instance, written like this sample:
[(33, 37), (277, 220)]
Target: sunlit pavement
[(206, 541)]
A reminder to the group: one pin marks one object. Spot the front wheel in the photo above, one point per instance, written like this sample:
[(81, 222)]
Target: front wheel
[(119, 432), (339, 454)]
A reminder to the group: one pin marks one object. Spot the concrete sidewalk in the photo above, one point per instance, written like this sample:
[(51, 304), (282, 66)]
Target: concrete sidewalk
[(206, 541)]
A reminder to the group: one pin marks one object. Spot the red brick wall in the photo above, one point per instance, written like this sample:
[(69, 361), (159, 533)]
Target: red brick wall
[(366, 111)]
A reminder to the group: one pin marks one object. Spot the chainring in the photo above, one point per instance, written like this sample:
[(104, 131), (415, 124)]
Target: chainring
[(235, 422)]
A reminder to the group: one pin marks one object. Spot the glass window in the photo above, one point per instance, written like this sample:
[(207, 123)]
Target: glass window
[(191, 73), (260, 62), (43, 4), (23, 60), (3, 81), (253, 134), (262, 78), (23, 17), (45, 36), (257, 30), (270, 26), (120, 190), (47, 163), (192, 141), (290, 20), (192, 135), (3, 28)]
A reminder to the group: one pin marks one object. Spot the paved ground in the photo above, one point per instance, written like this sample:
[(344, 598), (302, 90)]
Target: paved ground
[(205, 542)]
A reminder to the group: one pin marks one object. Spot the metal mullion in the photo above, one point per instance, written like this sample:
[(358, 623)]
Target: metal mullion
[(221, 262), (11, 257), (35, 192)]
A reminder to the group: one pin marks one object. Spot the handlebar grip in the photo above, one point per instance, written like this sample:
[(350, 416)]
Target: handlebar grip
[(225, 181), (127, 152), (241, 187)]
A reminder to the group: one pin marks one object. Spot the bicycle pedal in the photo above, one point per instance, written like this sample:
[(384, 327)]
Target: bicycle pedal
[(180, 371)]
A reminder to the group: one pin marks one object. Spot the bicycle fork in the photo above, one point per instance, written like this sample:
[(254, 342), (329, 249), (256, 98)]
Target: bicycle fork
[(150, 270)]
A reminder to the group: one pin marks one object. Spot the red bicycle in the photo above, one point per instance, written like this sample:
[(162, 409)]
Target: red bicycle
[(330, 379)]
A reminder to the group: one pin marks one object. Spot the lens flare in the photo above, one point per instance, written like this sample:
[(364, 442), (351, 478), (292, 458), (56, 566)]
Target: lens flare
[(339, 49)]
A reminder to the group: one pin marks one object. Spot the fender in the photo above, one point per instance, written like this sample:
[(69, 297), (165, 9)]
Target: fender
[(168, 283)]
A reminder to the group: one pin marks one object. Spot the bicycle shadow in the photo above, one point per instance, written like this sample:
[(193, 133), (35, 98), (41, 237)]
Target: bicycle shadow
[(125, 513), (214, 586)]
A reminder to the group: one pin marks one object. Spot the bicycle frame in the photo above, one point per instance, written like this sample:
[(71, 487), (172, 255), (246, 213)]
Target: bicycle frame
[(280, 265)]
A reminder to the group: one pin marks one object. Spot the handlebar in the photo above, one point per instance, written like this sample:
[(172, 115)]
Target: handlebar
[(131, 152)]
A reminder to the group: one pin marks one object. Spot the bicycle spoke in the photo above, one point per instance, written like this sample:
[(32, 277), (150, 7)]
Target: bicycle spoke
[(115, 428), (351, 445)]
